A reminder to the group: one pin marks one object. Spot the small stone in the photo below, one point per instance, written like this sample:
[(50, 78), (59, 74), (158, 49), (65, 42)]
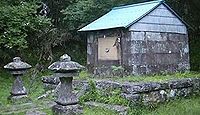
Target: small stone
[(172, 93)]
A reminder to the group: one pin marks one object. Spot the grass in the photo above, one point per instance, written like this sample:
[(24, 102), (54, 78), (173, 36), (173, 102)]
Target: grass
[(179, 107), (5, 86), (31, 81)]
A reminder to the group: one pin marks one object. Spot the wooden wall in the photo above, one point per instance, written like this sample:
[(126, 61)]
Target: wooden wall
[(160, 20)]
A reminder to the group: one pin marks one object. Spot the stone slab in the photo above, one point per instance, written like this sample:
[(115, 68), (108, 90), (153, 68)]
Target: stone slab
[(67, 110)]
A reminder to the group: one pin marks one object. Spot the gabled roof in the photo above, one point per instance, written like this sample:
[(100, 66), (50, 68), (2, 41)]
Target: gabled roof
[(125, 16)]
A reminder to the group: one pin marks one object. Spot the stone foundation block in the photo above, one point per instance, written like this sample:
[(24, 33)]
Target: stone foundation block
[(67, 110)]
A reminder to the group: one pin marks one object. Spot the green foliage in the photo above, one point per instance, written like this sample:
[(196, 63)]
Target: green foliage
[(195, 52), (19, 22), (110, 97), (21, 28), (84, 75), (118, 71)]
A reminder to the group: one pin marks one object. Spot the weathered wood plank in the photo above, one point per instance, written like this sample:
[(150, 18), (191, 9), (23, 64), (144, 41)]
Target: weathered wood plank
[(161, 20), (158, 28), (162, 12)]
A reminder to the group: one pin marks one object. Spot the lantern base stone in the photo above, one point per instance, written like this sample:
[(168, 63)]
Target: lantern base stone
[(19, 99), (67, 110)]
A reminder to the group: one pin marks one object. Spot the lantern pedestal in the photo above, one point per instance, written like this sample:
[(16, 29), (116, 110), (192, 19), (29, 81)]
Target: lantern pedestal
[(67, 101), (18, 92)]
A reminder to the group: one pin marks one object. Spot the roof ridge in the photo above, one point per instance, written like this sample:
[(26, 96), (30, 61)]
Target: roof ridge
[(138, 4)]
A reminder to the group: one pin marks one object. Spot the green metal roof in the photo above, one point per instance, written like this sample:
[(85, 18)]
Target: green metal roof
[(123, 16)]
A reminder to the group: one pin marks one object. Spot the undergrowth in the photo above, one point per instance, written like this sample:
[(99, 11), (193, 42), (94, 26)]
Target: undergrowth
[(108, 97)]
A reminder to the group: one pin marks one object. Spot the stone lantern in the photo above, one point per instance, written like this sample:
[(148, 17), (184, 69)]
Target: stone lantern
[(17, 69), (67, 102)]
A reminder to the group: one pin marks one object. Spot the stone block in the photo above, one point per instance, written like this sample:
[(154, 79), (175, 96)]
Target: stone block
[(138, 59), (48, 86), (151, 36), (138, 36), (183, 83), (178, 37), (139, 69), (90, 38), (163, 47), (138, 47), (183, 92), (196, 85), (166, 58), (160, 68), (67, 110), (80, 84), (154, 97), (140, 87), (132, 97), (51, 80), (102, 84)]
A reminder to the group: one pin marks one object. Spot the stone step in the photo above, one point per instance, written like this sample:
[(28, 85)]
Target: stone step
[(122, 110)]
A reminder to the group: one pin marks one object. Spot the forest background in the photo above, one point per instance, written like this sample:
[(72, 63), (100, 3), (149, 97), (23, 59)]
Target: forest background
[(39, 31)]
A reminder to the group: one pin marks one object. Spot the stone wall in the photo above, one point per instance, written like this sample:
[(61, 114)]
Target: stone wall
[(156, 52), (147, 92), (151, 92)]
